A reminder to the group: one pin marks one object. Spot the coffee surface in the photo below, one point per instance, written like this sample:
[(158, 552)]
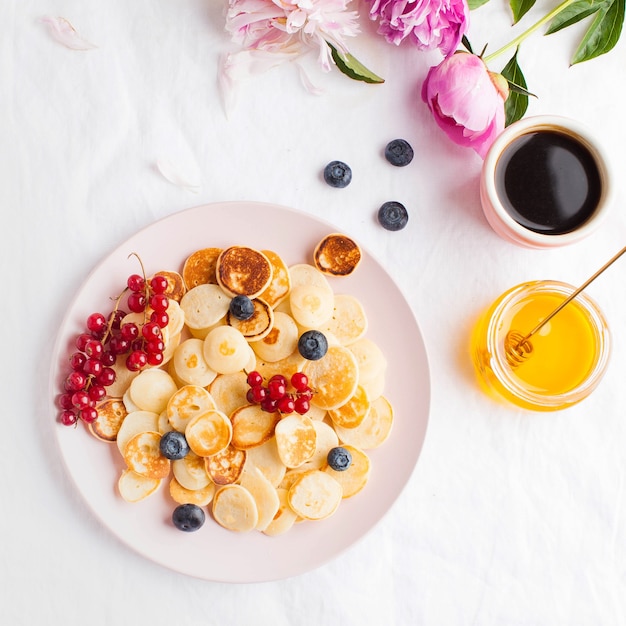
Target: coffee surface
[(548, 182)]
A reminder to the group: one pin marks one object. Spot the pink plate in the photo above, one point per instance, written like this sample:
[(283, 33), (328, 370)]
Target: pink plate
[(213, 553)]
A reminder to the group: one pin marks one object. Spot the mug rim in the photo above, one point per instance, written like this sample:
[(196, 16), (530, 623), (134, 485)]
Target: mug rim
[(495, 212)]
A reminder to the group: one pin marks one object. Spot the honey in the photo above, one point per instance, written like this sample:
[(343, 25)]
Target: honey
[(563, 361)]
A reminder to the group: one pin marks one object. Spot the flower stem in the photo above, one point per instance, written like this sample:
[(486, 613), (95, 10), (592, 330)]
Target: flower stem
[(515, 42)]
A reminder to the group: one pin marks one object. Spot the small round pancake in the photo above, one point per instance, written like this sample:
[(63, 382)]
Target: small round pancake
[(129, 405), (287, 367), (295, 439), (164, 425), (291, 476), (229, 391), (176, 320), (199, 497), (370, 359), (280, 341), (199, 267), (348, 322), (143, 455), (337, 255), (226, 350), (134, 487), (264, 494), (186, 403), (257, 326), (204, 306), (243, 271), (306, 274), (189, 363), (374, 430), (111, 414), (190, 471), (123, 378), (375, 386), (325, 439), (152, 389), (333, 378), (226, 466), (353, 412), (356, 476), (252, 426), (280, 284), (134, 423), (285, 516), (315, 495), (176, 287), (235, 509), (311, 306), (265, 458), (209, 433)]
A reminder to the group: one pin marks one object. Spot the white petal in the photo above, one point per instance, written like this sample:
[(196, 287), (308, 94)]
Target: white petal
[(63, 31), (170, 173)]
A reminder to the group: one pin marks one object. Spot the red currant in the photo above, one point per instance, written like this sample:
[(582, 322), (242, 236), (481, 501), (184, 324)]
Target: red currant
[(286, 404), (159, 302), (129, 331), (137, 302), (154, 358), (300, 381), (77, 361), (278, 378), (92, 367), (68, 418), (106, 377), (80, 399), (76, 381), (136, 360), (151, 331), (93, 348), (117, 316), (161, 319), (88, 414), (268, 404), (81, 341), (302, 405), (136, 283), (255, 379), (159, 284), (119, 345), (276, 389), (96, 323), (108, 358), (256, 394), (65, 401), (97, 393)]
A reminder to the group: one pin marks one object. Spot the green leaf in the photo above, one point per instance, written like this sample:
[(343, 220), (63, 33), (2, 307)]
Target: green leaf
[(353, 68), (517, 102), (603, 34), (574, 13), (519, 8), (474, 4)]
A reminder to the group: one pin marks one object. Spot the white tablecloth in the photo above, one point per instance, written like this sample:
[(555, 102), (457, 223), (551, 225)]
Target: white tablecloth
[(511, 517)]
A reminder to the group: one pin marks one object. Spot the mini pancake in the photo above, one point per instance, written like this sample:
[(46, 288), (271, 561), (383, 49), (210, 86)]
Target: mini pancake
[(111, 414), (284, 518), (252, 426), (353, 479), (199, 497), (295, 440), (325, 439), (134, 487), (265, 457), (306, 274), (123, 378), (225, 467), (370, 359), (315, 495), (243, 271), (280, 342), (264, 494), (333, 378), (229, 391), (204, 306), (143, 455), (199, 267), (176, 287), (186, 403), (208, 433), (337, 255), (353, 412), (226, 350), (348, 322), (374, 430), (176, 320), (129, 405), (190, 471), (152, 389), (235, 509), (280, 284), (189, 363), (134, 423), (287, 367), (311, 306), (256, 327)]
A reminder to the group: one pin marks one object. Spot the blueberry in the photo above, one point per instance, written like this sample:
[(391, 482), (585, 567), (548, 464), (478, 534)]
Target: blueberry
[(399, 152), (241, 308), (339, 459), (393, 215), (173, 445), (337, 174), (188, 517), (312, 345)]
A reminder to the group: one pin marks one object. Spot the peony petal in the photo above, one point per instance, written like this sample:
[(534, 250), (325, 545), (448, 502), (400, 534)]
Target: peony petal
[(170, 173), (63, 31)]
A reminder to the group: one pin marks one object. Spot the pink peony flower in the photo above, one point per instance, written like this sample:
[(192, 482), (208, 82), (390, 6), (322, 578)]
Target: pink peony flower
[(466, 100), (429, 24), (292, 26)]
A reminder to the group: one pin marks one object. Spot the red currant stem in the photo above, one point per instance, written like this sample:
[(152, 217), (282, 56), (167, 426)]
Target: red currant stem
[(146, 289)]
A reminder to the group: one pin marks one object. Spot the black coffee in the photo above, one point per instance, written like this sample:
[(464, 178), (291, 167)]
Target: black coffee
[(548, 182)]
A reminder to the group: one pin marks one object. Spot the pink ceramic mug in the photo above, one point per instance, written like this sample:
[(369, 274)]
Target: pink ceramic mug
[(545, 182)]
